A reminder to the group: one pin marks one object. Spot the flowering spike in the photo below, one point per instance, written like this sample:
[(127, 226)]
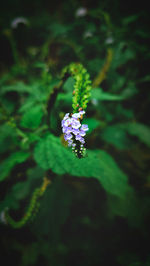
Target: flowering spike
[(71, 124)]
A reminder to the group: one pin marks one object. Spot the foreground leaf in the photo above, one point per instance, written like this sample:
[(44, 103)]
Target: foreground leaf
[(50, 154)]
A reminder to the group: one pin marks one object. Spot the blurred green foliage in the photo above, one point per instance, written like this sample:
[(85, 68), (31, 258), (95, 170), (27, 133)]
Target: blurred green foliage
[(90, 211)]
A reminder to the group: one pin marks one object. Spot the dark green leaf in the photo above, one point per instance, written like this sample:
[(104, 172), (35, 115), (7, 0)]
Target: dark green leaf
[(98, 94), (7, 137), (32, 118), (139, 130), (116, 136), (18, 87), (7, 165), (55, 207), (92, 123), (69, 84)]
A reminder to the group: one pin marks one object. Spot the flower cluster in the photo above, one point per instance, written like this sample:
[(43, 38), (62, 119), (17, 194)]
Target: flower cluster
[(74, 132)]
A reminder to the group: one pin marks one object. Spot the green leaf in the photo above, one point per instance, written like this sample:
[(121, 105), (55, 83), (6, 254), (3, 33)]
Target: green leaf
[(27, 105), (128, 207), (32, 118), (64, 99), (145, 79), (104, 96), (7, 138), (7, 165), (92, 123), (130, 90), (50, 154), (116, 136), (139, 130), (134, 208), (122, 112), (59, 29), (9, 202), (122, 54), (117, 81), (130, 19), (35, 173), (69, 84), (18, 87), (21, 190), (38, 96), (94, 65), (55, 207)]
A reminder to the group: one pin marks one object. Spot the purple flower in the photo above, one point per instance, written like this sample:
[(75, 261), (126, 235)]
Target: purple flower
[(70, 142), (62, 123), (75, 131), (66, 130), (78, 137), (68, 136), (82, 112), (84, 127), (76, 115), (66, 116), (82, 140), (75, 124), (82, 133), (67, 122), (73, 145)]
